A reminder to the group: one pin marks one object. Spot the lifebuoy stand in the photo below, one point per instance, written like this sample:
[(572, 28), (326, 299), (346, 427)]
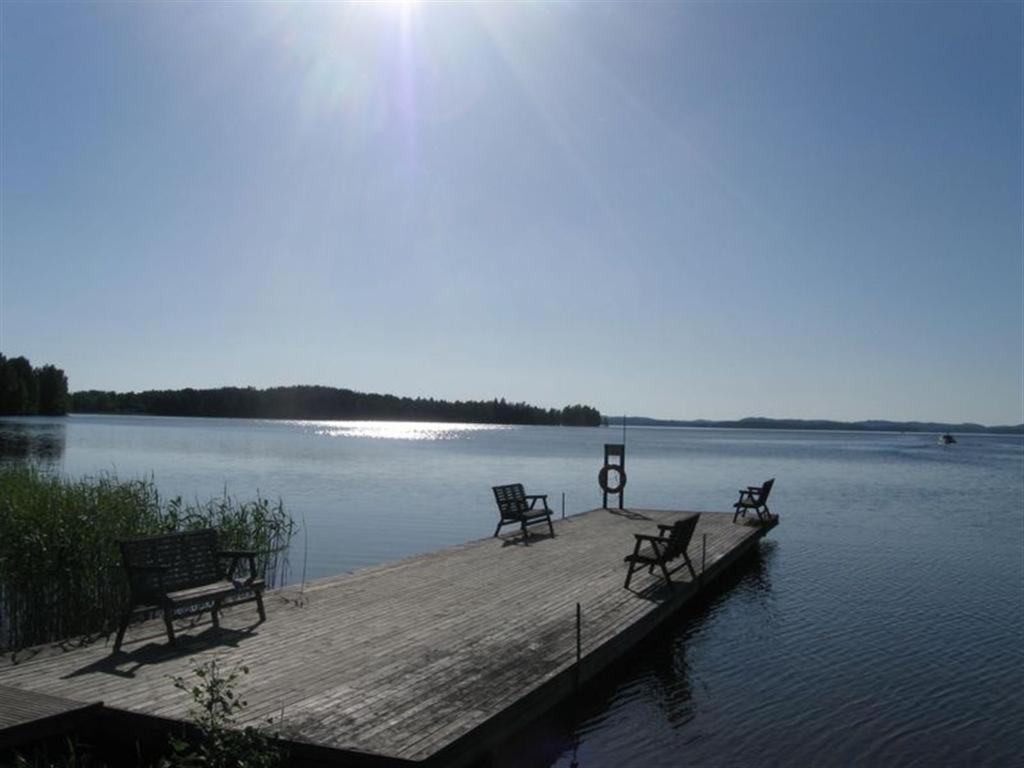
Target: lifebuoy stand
[(614, 459)]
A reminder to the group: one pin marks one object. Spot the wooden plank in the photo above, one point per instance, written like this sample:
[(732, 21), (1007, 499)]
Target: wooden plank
[(28, 715), (429, 658)]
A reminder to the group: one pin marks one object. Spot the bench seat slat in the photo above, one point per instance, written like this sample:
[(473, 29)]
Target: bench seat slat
[(217, 589), (645, 555)]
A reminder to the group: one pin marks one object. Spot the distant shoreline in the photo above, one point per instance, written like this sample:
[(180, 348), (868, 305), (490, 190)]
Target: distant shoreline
[(314, 402), (776, 425), (821, 425)]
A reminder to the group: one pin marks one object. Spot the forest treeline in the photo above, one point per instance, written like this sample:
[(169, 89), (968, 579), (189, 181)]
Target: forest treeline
[(313, 402), (26, 391)]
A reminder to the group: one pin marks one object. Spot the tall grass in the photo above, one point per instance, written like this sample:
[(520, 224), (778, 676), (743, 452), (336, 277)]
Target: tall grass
[(60, 573)]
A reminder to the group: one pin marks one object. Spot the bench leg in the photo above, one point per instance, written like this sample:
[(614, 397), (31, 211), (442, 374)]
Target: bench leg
[(629, 576), (498, 529), (213, 613), (259, 605), (121, 630), (551, 527), (668, 578), (169, 625), (526, 533)]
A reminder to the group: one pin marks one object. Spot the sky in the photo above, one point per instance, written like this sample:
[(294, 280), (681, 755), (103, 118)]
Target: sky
[(678, 210)]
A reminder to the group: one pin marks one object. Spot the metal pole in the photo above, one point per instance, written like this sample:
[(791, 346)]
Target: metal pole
[(579, 623), (579, 632), (575, 697), (563, 505)]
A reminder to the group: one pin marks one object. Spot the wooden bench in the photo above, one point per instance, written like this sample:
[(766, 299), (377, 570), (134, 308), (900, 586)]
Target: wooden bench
[(755, 497), (670, 544), (515, 507), (182, 572)]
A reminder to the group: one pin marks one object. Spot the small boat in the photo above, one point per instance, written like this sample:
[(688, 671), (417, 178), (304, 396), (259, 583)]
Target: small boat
[(947, 439)]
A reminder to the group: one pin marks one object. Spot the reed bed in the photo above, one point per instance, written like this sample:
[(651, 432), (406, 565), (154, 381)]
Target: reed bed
[(60, 573)]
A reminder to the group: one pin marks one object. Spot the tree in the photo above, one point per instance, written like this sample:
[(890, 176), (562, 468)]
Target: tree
[(19, 393), (53, 391), (311, 402), (25, 390)]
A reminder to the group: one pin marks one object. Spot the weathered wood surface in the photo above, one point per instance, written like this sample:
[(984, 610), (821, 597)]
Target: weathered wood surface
[(29, 715), (405, 659)]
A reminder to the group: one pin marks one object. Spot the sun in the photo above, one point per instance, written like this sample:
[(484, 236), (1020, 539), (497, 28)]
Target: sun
[(403, 9), (402, 6)]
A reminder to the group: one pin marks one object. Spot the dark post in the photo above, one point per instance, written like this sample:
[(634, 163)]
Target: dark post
[(703, 556), (579, 635), (575, 692), (613, 451), (563, 505)]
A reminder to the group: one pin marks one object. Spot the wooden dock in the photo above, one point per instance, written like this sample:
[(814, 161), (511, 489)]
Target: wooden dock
[(435, 658), (27, 716)]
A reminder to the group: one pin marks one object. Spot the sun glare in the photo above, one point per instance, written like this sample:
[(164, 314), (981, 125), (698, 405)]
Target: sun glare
[(403, 7), (398, 430)]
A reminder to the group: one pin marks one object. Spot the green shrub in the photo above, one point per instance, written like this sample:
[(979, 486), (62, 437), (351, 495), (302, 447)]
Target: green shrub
[(214, 713)]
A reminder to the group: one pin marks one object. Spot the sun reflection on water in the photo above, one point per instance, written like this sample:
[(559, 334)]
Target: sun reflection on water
[(399, 430)]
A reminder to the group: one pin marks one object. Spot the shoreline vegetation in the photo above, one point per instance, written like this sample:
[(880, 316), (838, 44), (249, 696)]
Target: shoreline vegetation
[(60, 567), (873, 425), (328, 403), (28, 391)]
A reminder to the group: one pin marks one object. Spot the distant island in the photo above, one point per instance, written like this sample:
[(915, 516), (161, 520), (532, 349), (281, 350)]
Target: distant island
[(316, 402), (873, 425)]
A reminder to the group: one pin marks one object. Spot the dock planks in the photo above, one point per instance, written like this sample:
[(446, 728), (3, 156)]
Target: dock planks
[(436, 657), (29, 715)]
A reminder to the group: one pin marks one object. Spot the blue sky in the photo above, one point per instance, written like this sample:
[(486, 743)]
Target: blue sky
[(678, 210)]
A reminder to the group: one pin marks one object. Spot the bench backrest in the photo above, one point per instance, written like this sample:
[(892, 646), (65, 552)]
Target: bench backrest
[(679, 537), (766, 488), (187, 559), (511, 500)]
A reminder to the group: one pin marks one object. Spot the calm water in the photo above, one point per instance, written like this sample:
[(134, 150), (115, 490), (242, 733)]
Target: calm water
[(882, 624)]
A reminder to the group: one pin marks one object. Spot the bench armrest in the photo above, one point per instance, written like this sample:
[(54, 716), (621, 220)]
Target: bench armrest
[(533, 498), (649, 537), (240, 554)]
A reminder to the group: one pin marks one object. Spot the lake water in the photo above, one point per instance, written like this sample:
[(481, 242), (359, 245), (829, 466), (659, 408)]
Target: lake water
[(882, 623)]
